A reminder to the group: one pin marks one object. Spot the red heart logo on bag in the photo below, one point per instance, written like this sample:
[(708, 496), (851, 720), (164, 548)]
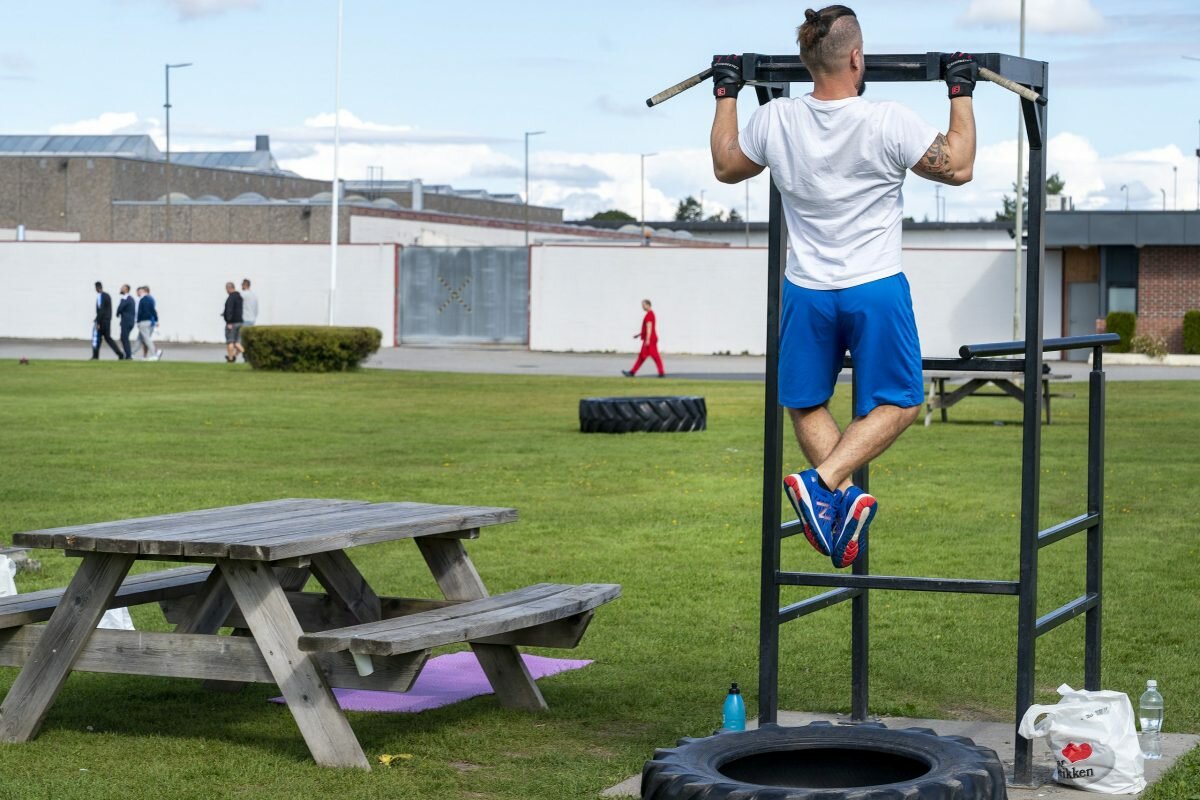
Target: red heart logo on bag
[(1076, 752)]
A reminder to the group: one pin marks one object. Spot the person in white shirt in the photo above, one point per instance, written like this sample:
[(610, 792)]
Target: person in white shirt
[(839, 162), (249, 304)]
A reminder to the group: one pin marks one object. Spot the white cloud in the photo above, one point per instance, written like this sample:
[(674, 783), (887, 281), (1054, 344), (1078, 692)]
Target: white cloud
[(108, 123), (1041, 16), (583, 183), (196, 9)]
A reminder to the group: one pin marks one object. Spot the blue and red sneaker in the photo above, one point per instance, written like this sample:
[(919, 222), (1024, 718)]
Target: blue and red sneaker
[(816, 506), (855, 513)]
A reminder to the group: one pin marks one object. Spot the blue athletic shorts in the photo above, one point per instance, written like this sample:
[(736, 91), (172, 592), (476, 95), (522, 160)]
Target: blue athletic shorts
[(874, 321)]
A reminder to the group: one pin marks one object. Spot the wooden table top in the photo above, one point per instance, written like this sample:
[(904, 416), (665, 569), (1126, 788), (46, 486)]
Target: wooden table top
[(267, 531)]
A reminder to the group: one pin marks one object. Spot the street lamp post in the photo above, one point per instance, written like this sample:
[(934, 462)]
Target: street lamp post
[(527, 135), (1164, 196), (167, 107), (1125, 189), (645, 241)]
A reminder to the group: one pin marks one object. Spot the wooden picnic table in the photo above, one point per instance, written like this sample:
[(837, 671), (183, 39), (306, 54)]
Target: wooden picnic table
[(263, 554), (1008, 383)]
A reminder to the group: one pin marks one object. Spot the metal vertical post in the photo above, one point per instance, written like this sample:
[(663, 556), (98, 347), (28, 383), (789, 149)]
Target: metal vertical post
[(860, 644), (768, 629), (1095, 535), (1035, 126)]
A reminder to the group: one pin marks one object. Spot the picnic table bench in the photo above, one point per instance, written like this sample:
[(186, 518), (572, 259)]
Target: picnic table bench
[(253, 562), (1007, 382)]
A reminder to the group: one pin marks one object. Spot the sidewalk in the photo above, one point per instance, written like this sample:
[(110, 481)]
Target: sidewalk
[(514, 360)]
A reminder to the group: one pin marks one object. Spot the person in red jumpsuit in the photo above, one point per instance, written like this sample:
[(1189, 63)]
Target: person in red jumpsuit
[(649, 337)]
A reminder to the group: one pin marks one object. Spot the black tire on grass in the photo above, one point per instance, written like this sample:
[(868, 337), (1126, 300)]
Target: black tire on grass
[(867, 761), (651, 414)]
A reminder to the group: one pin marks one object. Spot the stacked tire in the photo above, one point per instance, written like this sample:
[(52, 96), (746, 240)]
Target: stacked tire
[(650, 414)]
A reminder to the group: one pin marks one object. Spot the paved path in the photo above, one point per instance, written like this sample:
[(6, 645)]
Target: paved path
[(520, 361)]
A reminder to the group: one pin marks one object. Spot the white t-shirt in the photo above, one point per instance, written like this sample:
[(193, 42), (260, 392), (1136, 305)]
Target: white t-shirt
[(839, 165)]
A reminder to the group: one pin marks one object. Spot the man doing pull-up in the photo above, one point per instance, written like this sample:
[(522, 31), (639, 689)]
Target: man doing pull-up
[(839, 162)]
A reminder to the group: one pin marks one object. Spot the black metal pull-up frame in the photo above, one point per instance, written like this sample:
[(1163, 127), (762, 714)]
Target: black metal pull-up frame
[(771, 77)]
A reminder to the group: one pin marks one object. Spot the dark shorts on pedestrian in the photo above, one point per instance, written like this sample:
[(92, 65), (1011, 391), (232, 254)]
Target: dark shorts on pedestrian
[(874, 321), (232, 332)]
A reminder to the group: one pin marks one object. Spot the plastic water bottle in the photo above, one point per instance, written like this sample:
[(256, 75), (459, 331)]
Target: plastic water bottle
[(733, 717), (1150, 715)]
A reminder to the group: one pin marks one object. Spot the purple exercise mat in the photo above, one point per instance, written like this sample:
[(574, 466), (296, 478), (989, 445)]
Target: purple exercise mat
[(446, 679)]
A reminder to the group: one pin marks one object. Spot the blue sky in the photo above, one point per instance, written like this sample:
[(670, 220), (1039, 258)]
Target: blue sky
[(444, 91)]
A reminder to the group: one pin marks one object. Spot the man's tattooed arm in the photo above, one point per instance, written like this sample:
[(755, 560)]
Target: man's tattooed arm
[(935, 164)]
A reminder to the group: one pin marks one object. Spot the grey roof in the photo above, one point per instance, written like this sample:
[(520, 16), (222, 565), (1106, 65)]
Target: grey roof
[(246, 161), (140, 146), (1138, 228)]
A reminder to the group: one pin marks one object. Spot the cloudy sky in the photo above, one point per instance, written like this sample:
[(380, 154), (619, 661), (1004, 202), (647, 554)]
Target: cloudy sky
[(445, 91)]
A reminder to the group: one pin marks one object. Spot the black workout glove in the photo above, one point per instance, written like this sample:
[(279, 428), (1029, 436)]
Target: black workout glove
[(727, 76), (960, 72)]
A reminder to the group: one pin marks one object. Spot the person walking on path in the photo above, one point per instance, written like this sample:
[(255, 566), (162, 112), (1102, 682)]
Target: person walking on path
[(839, 162), (102, 323), (147, 321), (233, 323), (649, 337), (249, 304), (127, 313)]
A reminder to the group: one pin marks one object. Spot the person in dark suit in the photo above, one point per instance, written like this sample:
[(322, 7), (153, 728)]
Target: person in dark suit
[(102, 325), (127, 313)]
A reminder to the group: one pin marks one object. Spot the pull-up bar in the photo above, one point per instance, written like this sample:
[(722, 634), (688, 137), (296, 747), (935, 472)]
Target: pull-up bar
[(788, 69), (771, 77)]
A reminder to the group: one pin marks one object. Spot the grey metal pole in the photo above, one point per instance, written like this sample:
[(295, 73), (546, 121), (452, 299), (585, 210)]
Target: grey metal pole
[(1019, 208), (336, 195), (527, 135), (747, 220), (643, 186), (167, 106)]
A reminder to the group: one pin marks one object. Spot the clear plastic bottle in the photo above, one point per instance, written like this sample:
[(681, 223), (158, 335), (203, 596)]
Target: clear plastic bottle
[(1150, 716), (733, 717)]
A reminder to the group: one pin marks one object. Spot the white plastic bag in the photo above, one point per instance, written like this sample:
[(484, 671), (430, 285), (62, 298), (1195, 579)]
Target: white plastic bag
[(1093, 739), (8, 568), (116, 619)]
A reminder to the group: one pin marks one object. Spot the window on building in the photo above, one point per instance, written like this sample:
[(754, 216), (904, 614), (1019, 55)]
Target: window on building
[(1119, 270)]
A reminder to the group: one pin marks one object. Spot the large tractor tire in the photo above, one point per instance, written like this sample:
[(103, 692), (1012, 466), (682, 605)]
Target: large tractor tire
[(652, 414)]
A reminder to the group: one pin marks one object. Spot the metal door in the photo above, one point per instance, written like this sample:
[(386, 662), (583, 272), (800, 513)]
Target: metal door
[(1083, 308), (464, 295)]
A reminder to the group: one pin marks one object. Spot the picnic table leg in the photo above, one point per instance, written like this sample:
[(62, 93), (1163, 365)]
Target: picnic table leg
[(942, 396), (929, 402), (262, 601), (337, 573), (505, 669), (70, 626)]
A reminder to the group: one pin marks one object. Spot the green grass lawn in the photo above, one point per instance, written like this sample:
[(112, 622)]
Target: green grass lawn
[(673, 518)]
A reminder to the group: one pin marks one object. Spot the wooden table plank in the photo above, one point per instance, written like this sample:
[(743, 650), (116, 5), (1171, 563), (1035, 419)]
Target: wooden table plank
[(448, 520), (64, 537), (298, 675), (205, 657), (132, 542), (73, 621), (218, 543)]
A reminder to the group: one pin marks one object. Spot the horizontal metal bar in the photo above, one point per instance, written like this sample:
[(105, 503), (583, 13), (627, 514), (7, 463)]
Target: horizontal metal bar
[(816, 603), (966, 364), (1048, 345), (790, 529), (1064, 529), (960, 585), (1048, 622), (758, 68)]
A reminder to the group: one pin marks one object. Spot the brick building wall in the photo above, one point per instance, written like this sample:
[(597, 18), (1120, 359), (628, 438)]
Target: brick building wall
[(1168, 287)]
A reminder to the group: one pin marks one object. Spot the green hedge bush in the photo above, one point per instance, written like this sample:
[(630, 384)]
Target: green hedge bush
[(1191, 333), (308, 348), (1149, 345), (1123, 323)]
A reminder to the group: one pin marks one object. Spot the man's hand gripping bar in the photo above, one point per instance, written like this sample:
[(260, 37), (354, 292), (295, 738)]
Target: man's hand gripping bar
[(985, 73)]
